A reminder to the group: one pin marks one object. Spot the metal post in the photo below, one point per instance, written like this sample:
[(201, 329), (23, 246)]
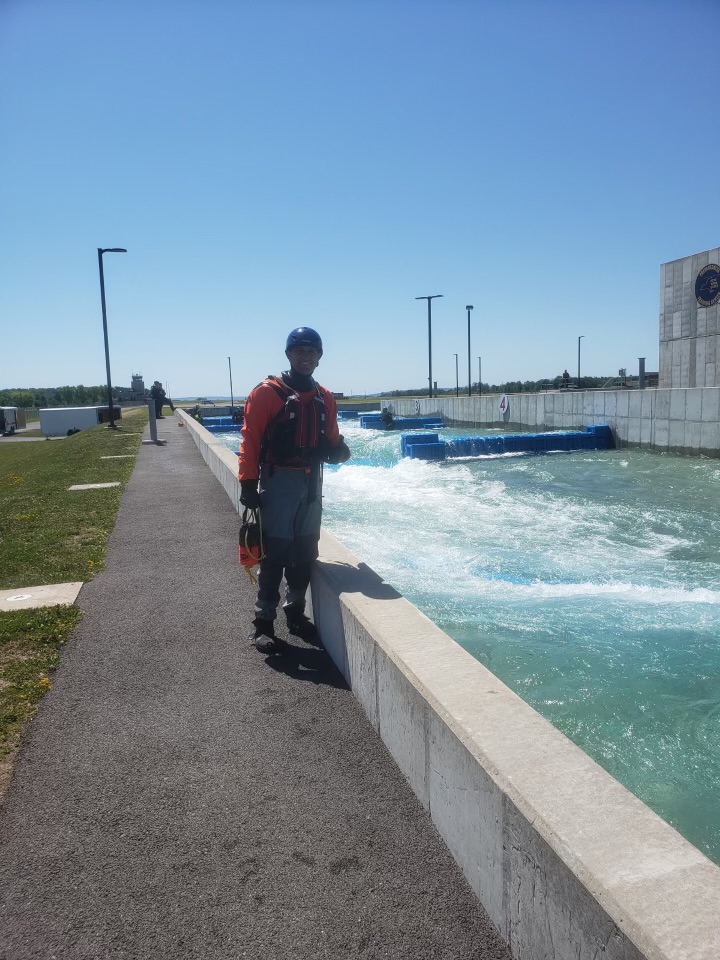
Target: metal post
[(641, 373), (457, 384), (152, 422), (111, 411), (429, 300), (469, 308), (232, 401), (101, 251), (578, 379), (429, 347), (479, 376)]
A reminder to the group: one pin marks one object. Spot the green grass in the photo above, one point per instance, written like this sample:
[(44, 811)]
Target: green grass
[(30, 642), (49, 534)]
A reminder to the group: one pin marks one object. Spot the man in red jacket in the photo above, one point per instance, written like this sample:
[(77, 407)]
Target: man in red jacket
[(290, 429)]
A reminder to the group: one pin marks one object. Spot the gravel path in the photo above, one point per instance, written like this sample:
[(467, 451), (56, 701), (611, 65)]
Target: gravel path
[(179, 795)]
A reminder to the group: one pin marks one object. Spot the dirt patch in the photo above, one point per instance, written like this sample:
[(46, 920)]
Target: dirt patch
[(6, 768)]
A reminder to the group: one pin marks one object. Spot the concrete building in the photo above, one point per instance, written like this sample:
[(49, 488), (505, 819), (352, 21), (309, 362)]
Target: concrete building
[(689, 321)]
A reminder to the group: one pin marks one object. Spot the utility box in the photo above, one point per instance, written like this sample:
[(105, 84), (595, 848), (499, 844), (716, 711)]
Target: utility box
[(61, 421), (8, 421)]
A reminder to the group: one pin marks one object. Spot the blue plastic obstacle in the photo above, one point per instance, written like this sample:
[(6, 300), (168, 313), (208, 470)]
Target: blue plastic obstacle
[(374, 421), (221, 424), (428, 446)]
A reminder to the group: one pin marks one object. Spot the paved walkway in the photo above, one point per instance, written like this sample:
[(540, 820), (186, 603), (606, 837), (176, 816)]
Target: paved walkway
[(181, 796)]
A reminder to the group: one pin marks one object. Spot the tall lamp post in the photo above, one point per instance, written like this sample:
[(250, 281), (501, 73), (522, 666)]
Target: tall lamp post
[(457, 383), (579, 339), (469, 308), (430, 300), (101, 251), (479, 376), (232, 401)]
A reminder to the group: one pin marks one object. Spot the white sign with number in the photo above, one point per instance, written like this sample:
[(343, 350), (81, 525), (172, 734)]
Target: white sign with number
[(504, 404)]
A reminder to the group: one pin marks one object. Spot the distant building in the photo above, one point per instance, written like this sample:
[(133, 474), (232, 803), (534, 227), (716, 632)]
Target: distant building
[(136, 390), (138, 387)]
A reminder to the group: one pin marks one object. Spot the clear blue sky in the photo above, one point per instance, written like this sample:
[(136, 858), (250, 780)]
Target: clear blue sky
[(270, 164)]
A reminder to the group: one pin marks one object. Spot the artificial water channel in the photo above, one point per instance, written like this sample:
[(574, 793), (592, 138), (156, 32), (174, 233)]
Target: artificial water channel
[(588, 582)]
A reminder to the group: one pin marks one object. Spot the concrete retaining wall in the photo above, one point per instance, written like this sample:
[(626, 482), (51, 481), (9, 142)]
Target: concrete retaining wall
[(221, 460), (568, 864), (684, 421)]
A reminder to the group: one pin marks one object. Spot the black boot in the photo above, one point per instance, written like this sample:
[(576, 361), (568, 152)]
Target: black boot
[(263, 637), (300, 626)]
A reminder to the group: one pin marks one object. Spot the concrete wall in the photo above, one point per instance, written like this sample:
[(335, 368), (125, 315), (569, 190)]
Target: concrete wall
[(568, 864), (221, 460), (689, 354), (683, 421)]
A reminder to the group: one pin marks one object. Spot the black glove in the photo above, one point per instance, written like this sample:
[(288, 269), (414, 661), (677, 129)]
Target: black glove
[(338, 454), (249, 496)]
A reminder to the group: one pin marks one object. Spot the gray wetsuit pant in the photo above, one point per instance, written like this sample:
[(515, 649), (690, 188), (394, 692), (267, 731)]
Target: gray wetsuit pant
[(291, 514)]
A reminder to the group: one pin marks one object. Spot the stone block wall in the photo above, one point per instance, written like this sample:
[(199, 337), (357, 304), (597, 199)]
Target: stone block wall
[(689, 353)]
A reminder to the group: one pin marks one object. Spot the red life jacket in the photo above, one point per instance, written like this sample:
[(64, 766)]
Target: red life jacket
[(296, 431)]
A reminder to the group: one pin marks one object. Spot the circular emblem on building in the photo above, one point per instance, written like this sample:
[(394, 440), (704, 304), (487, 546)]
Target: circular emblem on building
[(707, 286)]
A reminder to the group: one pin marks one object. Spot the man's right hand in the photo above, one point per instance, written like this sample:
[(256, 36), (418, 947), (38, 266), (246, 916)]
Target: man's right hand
[(249, 496)]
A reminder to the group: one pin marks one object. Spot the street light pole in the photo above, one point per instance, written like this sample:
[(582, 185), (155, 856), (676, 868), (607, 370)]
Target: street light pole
[(429, 300), (232, 401), (579, 339), (101, 251), (457, 384), (469, 308), (479, 376)]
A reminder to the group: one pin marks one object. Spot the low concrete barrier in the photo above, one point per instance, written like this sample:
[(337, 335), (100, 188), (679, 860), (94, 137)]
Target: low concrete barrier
[(221, 460), (568, 863)]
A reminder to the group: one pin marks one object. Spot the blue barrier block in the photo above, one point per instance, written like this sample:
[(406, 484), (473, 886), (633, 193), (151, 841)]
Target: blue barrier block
[(514, 443), (603, 435), (597, 437), (408, 440), (418, 422), (458, 447), (223, 427), (428, 451)]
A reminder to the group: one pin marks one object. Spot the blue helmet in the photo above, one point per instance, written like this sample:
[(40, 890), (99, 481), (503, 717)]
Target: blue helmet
[(304, 337)]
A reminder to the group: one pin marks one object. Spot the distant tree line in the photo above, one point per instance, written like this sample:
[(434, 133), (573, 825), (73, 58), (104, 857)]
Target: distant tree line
[(80, 395), (56, 396), (511, 386)]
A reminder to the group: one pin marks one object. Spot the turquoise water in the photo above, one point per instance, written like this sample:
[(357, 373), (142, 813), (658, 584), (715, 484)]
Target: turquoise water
[(588, 582)]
